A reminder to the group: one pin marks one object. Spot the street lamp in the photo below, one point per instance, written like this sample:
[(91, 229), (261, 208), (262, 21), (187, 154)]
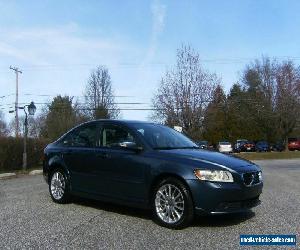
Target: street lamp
[(31, 110)]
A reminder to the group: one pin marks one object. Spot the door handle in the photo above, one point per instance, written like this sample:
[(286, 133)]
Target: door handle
[(68, 152), (103, 155)]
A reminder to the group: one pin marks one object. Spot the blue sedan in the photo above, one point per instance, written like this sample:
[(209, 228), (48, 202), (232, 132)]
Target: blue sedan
[(149, 166)]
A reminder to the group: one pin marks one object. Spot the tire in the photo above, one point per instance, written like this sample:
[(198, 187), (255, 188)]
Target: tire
[(59, 187), (179, 211)]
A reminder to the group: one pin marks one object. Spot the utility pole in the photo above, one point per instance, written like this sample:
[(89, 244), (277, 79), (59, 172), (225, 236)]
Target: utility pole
[(17, 71)]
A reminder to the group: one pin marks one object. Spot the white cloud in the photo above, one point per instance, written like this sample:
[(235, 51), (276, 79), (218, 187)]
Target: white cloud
[(158, 17), (158, 11), (65, 44)]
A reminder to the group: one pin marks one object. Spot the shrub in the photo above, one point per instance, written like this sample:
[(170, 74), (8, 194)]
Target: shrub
[(11, 153)]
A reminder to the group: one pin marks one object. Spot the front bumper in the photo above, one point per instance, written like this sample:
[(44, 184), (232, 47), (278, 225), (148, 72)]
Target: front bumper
[(220, 198)]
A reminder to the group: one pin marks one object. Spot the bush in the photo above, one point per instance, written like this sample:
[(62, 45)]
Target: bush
[(11, 153)]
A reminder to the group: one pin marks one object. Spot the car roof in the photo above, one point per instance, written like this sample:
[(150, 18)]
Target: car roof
[(121, 121)]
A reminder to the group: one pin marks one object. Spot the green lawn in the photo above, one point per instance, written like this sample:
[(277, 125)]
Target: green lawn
[(270, 155)]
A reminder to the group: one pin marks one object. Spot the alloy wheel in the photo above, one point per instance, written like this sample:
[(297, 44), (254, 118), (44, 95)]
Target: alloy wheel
[(58, 185), (169, 203)]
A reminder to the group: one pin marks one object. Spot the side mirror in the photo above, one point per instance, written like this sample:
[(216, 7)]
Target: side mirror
[(131, 146), (66, 143)]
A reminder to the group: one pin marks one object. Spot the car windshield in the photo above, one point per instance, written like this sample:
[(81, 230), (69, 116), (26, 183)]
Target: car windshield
[(163, 137), (224, 143), (202, 143), (262, 143)]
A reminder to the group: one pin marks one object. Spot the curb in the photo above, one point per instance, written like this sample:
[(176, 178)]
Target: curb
[(7, 175), (36, 172), (11, 175)]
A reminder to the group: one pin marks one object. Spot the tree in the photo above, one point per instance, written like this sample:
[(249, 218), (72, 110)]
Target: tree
[(57, 118), (184, 93), (238, 122), (215, 119), (4, 131), (99, 95), (287, 98), (270, 99), (259, 79)]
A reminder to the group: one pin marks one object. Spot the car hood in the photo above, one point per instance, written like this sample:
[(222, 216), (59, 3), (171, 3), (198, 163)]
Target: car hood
[(228, 161)]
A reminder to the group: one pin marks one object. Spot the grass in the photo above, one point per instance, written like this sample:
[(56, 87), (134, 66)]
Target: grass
[(270, 155)]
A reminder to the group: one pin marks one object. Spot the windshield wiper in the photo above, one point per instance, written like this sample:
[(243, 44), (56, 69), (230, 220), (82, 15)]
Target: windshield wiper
[(193, 147), (170, 148)]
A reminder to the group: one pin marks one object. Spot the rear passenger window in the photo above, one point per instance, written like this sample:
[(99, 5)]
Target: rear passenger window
[(85, 136)]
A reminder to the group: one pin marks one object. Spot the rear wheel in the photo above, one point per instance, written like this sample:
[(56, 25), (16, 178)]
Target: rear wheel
[(172, 204), (59, 187)]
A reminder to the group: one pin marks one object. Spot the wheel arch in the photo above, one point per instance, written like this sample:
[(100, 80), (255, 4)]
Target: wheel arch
[(162, 176), (58, 165)]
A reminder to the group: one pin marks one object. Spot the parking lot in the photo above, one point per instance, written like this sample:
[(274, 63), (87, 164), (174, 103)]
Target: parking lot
[(29, 219)]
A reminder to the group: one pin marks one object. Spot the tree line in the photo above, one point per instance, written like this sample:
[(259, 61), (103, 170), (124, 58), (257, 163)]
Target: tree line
[(263, 105)]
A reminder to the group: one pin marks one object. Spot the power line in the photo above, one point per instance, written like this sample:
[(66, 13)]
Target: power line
[(225, 60), (47, 95), (4, 96)]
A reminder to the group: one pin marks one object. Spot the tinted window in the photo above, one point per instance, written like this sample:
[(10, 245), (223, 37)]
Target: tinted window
[(84, 136), (162, 137), (224, 143), (115, 136)]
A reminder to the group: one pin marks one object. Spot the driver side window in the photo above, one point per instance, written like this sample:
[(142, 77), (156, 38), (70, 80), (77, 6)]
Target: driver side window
[(115, 136)]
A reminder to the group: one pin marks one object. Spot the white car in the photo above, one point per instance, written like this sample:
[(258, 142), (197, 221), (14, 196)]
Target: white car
[(225, 147)]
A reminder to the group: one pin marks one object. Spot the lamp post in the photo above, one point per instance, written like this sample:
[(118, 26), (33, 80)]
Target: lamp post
[(31, 110)]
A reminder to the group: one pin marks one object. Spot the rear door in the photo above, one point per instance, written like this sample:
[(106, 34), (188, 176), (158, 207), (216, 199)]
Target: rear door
[(79, 156)]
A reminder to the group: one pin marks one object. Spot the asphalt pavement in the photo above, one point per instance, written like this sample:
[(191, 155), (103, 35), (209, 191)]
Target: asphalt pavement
[(29, 218)]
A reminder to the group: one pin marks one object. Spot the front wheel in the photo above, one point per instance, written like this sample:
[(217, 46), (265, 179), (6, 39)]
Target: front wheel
[(172, 204), (59, 187)]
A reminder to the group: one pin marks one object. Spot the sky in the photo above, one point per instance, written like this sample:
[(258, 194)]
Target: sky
[(56, 44)]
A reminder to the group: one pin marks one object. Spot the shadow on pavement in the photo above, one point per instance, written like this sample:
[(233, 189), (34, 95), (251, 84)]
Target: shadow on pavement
[(200, 221), (223, 220), (114, 208)]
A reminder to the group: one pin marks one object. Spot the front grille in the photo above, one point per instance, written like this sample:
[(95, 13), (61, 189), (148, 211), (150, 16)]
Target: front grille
[(251, 179)]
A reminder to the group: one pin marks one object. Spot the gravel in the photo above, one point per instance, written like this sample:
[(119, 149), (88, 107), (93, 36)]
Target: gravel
[(29, 219)]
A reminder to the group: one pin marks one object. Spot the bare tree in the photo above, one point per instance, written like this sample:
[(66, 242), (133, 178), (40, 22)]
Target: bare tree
[(184, 93), (99, 95), (287, 98), (4, 131), (270, 103), (259, 81)]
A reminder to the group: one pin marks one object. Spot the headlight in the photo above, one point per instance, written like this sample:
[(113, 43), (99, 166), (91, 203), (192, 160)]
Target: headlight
[(214, 175), (260, 176)]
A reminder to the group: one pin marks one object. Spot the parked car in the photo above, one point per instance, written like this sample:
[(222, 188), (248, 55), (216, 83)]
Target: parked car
[(237, 145), (149, 166), (202, 144), (262, 146), (294, 144), (224, 147), (278, 146), (248, 146)]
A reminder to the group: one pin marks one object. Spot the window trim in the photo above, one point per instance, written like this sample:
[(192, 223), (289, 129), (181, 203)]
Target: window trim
[(75, 130), (127, 129)]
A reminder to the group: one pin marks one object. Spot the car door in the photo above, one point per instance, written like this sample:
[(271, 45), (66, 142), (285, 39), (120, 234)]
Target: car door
[(120, 171), (79, 156)]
